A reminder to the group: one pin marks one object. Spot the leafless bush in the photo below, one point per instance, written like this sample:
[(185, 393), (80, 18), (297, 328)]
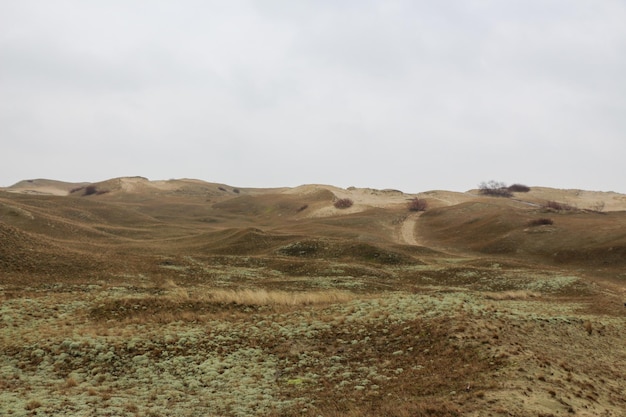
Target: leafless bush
[(343, 203), (495, 189), (90, 190), (555, 205), (303, 207), (540, 222), (598, 206), (519, 188), (417, 204)]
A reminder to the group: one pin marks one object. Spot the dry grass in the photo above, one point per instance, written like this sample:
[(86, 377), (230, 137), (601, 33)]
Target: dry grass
[(511, 295), (262, 297)]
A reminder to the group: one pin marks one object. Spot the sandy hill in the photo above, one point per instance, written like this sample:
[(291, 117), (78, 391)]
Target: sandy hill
[(136, 296), (136, 215)]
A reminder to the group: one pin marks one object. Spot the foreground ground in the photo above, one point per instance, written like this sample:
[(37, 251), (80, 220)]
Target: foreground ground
[(237, 311)]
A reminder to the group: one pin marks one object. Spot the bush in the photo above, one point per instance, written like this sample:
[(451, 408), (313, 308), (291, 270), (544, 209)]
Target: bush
[(597, 207), (343, 203), (417, 205), (554, 205), (90, 190), (540, 222), (519, 188), (495, 189), (302, 208)]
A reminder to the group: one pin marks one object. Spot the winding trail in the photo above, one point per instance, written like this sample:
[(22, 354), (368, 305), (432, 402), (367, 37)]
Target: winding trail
[(407, 230)]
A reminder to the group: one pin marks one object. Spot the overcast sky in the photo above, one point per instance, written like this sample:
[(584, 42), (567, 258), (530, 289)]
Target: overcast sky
[(411, 95)]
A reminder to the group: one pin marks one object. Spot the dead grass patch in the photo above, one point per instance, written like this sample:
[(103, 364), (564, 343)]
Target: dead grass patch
[(261, 297), (511, 295), (178, 305)]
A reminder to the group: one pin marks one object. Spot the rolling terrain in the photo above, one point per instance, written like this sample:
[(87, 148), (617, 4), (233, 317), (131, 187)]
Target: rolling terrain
[(183, 298)]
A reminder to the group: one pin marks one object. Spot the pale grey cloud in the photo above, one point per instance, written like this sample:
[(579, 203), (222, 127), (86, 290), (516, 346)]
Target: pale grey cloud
[(399, 94)]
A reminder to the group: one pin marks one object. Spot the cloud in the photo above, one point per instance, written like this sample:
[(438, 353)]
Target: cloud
[(399, 94)]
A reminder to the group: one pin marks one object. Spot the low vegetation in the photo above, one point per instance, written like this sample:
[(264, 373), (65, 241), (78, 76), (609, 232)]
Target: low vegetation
[(208, 303), (89, 190), (417, 204), (343, 203), (494, 189), (518, 188), (540, 222), (556, 206)]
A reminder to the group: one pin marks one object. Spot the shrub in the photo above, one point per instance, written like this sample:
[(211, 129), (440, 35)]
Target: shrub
[(554, 205), (597, 207), (417, 204), (90, 189), (540, 222), (343, 203), (495, 189), (302, 208), (519, 188)]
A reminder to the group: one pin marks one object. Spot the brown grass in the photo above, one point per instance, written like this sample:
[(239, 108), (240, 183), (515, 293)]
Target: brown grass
[(511, 295), (262, 297)]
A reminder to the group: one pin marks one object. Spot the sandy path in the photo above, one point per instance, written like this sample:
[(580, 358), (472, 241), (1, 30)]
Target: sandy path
[(407, 230)]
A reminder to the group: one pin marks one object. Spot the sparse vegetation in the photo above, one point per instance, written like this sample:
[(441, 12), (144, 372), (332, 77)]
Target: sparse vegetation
[(417, 204), (518, 188), (343, 203), (598, 206), (540, 222), (88, 190), (494, 189), (239, 306), (556, 206)]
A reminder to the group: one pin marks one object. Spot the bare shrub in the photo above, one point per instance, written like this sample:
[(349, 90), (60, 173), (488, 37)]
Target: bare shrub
[(417, 204), (494, 189), (540, 222), (343, 203), (554, 205), (519, 188), (90, 190), (598, 206), (302, 208)]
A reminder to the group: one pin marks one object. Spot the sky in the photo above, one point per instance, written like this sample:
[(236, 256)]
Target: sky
[(412, 95)]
